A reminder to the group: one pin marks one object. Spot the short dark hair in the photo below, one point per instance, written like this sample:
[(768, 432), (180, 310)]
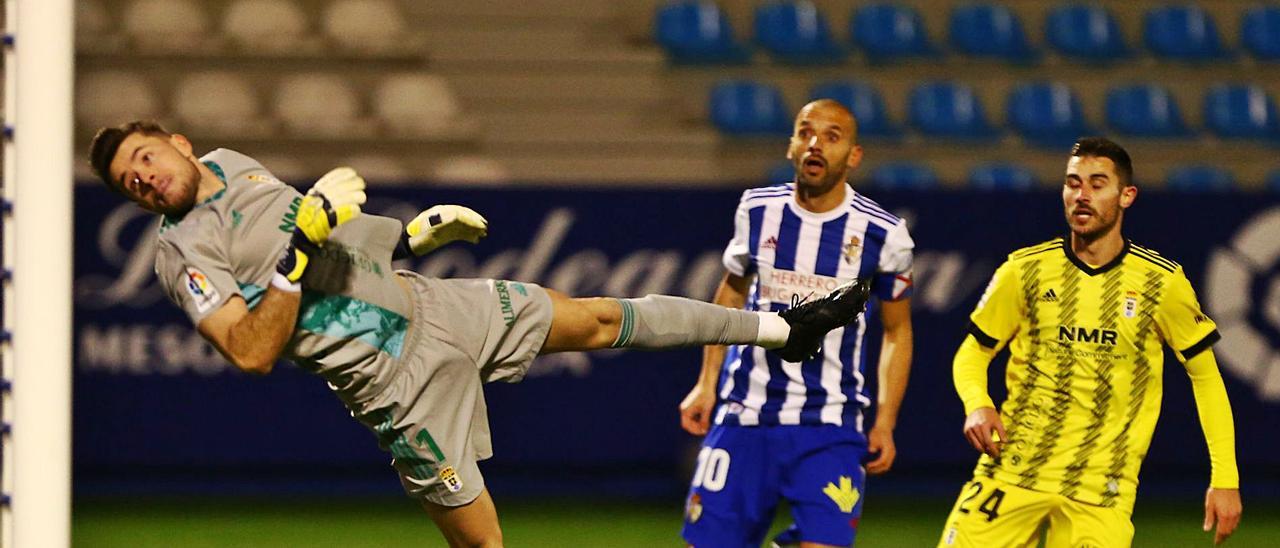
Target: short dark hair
[(1102, 147), (107, 141)]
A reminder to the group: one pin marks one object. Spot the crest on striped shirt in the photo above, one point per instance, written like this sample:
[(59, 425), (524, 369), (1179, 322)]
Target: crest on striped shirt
[(852, 248), (1130, 304)]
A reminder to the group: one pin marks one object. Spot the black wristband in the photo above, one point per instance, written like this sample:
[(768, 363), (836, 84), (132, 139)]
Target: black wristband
[(403, 250)]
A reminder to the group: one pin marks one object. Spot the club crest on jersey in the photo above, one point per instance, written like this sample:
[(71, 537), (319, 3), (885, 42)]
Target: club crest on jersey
[(693, 508), (203, 293), (450, 478), (852, 249), (261, 178), (1130, 304)]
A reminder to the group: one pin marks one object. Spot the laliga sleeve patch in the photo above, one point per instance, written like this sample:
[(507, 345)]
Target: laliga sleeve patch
[(203, 294)]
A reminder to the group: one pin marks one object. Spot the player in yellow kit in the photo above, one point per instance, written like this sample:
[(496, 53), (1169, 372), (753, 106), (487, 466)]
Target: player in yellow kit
[(1085, 318)]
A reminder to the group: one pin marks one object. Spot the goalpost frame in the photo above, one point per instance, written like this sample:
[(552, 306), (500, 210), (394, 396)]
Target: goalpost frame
[(38, 183)]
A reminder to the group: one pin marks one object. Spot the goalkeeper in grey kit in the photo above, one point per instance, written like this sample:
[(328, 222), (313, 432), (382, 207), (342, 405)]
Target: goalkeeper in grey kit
[(266, 273)]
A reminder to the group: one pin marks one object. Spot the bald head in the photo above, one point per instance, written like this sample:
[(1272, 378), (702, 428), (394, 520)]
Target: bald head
[(823, 146), (834, 111)]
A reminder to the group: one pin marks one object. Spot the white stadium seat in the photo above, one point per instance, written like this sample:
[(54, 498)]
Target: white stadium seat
[(415, 104), (470, 169), (274, 26), (378, 168), (217, 102), (112, 98), (366, 26), (317, 105), (167, 26), (92, 22)]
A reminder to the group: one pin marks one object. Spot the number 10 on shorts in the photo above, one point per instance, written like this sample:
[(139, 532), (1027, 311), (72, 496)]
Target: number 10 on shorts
[(713, 469)]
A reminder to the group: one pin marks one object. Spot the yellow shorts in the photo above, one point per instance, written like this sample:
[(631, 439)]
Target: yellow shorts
[(990, 512)]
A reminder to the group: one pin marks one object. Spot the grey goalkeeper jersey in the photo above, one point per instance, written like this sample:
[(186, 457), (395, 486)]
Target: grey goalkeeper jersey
[(354, 315)]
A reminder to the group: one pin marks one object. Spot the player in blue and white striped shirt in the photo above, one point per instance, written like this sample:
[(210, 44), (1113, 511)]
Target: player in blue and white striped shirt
[(794, 430)]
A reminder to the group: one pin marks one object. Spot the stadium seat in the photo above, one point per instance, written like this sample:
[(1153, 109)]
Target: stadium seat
[(866, 104), (316, 105), (1241, 112), (216, 102), (470, 169), (950, 110), (266, 25), (92, 20), (989, 30), (1260, 32), (1001, 177), (697, 32), (797, 33), (781, 172), (1199, 178), (378, 168), (1046, 114), (1273, 182), (887, 32), (903, 176), (415, 104), (1085, 32), (166, 26), (1185, 33), (110, 98), (747, 108), (366, 26), (1144, 111)]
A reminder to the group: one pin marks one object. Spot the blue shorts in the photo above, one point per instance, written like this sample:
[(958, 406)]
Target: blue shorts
[(743, 471)]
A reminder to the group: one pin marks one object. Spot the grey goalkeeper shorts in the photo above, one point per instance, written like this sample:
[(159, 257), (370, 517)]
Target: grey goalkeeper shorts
[(432, 416)]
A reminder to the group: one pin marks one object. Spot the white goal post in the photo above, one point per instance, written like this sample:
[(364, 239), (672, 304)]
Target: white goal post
[(38, 180)]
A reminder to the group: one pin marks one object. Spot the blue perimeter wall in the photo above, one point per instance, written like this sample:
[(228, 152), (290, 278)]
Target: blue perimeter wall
[(157, 410)]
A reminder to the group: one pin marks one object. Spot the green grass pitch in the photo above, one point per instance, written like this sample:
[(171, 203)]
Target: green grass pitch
[(395, 522)]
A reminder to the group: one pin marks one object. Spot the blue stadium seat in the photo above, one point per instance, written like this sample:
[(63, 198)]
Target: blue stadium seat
[(945, 109), (887, 32), (903, 176), (796, 32), (1185, 33), (1241, 112), (1001, 177), (781, 172), (1260, 32), (1085, 32), (697, 32), (747, 108), (1273, 182), (1199, 178), (1144, 111), (1047, 114), (866, 104), (989, 30)]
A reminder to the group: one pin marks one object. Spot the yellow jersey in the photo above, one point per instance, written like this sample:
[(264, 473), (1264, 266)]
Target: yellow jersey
[(1085, 366)]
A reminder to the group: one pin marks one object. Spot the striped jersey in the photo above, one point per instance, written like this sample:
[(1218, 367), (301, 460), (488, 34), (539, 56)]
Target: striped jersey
[(792, 252), (354, 315), (1085, 366)]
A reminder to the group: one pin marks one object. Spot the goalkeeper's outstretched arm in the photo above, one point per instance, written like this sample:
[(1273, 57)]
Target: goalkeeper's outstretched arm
[(253, 339)]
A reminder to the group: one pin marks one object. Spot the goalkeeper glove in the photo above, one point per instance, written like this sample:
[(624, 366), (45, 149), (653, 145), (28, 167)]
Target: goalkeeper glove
[(440, 225), (335, 199)]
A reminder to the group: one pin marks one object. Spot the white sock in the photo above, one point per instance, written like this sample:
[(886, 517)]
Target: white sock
[(773, 331)]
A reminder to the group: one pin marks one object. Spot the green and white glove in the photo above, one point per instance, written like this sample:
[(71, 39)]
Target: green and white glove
[(333, 200), (442, 224)]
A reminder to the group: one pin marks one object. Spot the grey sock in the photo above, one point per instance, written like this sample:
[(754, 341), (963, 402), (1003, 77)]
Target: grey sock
[(661, 321)]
